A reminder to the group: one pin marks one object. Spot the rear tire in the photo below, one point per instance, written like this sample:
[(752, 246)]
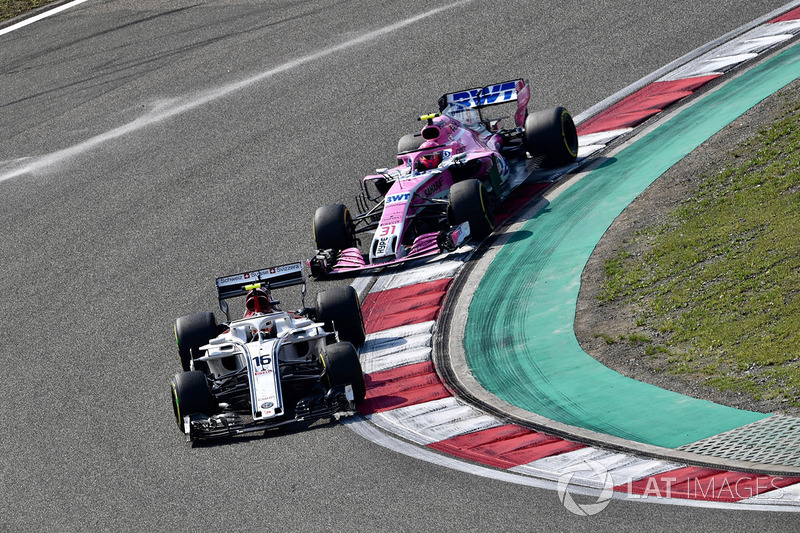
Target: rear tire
[(191, 396), (470, 203), (551, 134), (192, 332), (343, 367), (333, 228), (340, 310), (409, 142)]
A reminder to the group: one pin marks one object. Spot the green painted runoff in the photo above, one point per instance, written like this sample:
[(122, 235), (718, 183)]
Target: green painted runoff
[(520, 341)]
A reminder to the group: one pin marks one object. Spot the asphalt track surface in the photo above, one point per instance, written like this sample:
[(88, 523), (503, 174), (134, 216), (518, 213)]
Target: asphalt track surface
[(147, 149)]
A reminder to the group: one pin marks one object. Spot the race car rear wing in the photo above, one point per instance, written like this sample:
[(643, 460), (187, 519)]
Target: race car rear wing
[(498, 93), (268, 278)]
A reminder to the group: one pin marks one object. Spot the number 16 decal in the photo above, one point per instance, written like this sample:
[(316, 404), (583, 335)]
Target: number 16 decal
[(262, 360)]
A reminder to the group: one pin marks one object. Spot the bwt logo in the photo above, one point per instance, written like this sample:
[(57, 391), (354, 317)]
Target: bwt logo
[(398, 198), (493, 95)]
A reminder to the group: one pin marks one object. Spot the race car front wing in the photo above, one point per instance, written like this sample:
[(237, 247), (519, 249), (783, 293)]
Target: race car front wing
[(325, 262), (338, 400)]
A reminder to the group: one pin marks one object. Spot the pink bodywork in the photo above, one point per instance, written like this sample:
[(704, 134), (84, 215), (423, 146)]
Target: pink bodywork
[(411, 191)]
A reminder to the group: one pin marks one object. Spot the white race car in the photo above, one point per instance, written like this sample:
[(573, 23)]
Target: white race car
[(271, 367)]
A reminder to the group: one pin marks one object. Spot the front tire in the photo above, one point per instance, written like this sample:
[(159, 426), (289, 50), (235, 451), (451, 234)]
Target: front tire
[(469, 202), (551, 134), (191, 396), (192, 332), (340, 310), (333, 228), (343, 368)]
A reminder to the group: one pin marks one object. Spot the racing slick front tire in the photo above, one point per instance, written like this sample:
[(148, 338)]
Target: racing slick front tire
[(551, 135), (469, 202), (191, 396), (343, 368), (333, 228), (192, 332), (340, 310)]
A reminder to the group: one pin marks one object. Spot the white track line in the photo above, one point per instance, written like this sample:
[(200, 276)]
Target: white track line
[(48, 13), (170, 108)]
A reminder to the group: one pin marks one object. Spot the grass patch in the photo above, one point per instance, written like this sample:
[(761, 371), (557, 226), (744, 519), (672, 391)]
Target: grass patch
[(12, 8), (721, 281), (607, 338)]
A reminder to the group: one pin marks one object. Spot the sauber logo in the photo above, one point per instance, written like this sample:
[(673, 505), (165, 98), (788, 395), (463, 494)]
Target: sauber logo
[(398, 198)]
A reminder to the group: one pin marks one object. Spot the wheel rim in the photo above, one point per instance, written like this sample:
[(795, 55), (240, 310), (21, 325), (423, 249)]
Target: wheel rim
[(176, 408), (569, 133)]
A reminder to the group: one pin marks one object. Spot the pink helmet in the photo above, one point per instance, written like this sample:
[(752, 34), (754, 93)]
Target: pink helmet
[(429, 160)]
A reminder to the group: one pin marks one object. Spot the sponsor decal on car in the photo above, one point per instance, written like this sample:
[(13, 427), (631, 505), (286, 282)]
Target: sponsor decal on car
[(433, 187), (259, 274), (294, 267), (383, 235), (394, 198), (392, 218), (502, 166), (382, 245), (230, 279), (267, 405), (493, 94)]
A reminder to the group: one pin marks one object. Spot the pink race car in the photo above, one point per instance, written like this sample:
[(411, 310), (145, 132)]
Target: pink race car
[(447, 180)]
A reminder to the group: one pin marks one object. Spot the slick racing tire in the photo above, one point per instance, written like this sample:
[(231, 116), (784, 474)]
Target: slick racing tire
[(470, 203), (409, 142), (190, 396), (340, 311), (333, 228), (343, 368), (192, 332), (551, 135)]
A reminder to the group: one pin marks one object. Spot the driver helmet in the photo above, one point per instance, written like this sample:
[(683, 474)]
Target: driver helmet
[(258, 300), (429, 160)]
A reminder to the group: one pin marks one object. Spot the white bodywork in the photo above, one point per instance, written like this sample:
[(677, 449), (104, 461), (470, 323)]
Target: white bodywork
[(258, 343)]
